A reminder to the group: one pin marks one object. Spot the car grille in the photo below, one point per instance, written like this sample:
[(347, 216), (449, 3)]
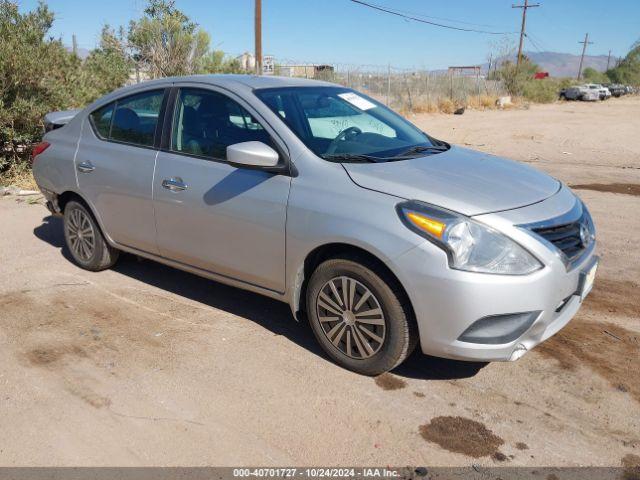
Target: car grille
[(565, 237), (573, 233)]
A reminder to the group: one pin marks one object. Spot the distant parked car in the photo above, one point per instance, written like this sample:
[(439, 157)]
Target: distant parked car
[(603, 92), (579, 93), (616, 89)]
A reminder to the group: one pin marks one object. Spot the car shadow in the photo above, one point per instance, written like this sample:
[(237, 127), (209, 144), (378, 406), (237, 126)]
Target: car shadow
[(270, 314), (51, 231), (237, 182), (425, 367)]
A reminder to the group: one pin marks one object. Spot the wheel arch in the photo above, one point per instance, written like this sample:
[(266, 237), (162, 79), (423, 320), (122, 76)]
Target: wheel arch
[(62, 199), (340, 250)]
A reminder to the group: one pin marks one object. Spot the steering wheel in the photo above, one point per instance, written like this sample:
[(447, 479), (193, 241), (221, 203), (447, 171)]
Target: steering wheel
[(346, 134)]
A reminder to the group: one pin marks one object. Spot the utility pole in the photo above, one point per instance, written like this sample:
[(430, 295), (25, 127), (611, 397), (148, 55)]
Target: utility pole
[(388, 83), (608, 60), (74, 43), (524, 21), (258, 36), (584, 43)]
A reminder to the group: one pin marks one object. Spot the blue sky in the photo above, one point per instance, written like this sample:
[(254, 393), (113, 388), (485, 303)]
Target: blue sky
[(342, 32)]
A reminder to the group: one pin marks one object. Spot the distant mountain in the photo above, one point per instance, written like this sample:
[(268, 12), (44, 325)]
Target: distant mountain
[(82, 52), (566, 64)]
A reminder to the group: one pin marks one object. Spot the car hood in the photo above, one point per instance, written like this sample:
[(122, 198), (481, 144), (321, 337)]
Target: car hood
[(462, 180)]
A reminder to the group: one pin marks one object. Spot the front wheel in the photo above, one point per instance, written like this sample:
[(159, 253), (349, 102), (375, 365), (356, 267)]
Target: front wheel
[(357, 316), (84, 239)]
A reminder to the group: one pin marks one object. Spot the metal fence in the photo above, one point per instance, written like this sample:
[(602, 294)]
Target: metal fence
[(404, 89)]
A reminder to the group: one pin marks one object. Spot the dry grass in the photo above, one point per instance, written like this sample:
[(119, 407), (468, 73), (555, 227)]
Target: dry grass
[(18, 177), (446, 105), (482, 102)]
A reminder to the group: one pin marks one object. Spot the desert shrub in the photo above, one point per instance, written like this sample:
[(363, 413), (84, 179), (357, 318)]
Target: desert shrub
[(482, 102), (423, 105), (38, 75), (540, 91), (628, 69), (446, 105), (591, 75), (513, 76)]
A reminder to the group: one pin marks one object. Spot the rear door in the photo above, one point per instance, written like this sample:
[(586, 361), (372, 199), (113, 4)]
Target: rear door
[(115, 165), (210, 214)]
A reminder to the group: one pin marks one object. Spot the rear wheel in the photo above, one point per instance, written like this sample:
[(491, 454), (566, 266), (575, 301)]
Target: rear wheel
[(356, 313), (84, 239)]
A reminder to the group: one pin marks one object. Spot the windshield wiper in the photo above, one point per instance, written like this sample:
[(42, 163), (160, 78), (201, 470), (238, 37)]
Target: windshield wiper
[(351, 157), (423, 148)]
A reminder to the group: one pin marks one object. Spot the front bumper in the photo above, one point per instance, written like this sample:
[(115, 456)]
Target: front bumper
[(447, 302)]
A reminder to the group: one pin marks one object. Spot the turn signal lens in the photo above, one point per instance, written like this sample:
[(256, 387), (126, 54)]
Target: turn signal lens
[(427, 224), (470, 245)]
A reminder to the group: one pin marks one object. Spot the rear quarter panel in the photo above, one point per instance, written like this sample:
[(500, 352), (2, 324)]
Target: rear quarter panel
[(54, 169)]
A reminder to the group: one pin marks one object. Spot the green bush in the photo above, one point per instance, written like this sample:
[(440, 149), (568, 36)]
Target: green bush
[(545, 90), (628, 70), (591, 75), (520, 82), (38, 75)]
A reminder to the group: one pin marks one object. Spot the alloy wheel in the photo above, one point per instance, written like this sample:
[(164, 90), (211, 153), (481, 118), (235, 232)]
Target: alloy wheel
[(351, 317), (82, 237)]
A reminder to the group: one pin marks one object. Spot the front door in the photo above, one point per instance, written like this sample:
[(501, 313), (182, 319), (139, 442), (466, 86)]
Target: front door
[(210, 214), (115, 163)]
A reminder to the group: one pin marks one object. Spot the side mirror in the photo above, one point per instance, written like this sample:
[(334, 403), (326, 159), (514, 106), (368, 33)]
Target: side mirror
[(252, 154)]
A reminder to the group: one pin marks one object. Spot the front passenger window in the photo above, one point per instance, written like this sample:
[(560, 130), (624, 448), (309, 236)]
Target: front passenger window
[(206, 123), (136, 117)]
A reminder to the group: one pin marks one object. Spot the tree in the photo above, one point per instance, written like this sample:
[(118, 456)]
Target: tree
[(591, 75), (216, 62), (515, 77), (628, 70), (108, 66), (37, 75), (166, 42)]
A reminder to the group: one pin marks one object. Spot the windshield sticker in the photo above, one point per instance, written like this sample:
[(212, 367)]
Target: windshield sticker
[(357, 101)]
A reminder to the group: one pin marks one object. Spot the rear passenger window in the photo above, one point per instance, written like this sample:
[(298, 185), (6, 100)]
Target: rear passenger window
[(101, 120), (206, 123), (136, 117)]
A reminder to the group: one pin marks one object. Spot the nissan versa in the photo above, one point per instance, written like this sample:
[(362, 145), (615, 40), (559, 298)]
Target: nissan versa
[(314, 194)]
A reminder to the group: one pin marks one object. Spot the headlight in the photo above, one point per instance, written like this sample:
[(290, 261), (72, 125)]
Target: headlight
[(470, 245)]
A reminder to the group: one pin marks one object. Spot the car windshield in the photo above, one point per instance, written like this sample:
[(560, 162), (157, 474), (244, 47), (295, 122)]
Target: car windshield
[(339, 124)]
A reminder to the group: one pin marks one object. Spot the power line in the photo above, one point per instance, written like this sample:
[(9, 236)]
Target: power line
[(538, 41), (421, 15), (422, 20), (533, 43)]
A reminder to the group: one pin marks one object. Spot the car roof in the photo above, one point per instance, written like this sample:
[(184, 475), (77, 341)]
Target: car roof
[(229, 81), (233, 82)]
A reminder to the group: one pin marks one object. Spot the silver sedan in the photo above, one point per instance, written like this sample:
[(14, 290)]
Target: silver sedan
[(379, 235)]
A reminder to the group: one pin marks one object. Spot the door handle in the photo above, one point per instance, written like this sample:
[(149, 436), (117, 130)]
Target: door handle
[(175, 184), (86, 167)]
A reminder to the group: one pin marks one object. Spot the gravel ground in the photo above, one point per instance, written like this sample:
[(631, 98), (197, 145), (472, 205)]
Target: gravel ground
[(145, 365)]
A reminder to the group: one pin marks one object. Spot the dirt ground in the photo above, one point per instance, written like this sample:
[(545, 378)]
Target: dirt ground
[(145, 365)]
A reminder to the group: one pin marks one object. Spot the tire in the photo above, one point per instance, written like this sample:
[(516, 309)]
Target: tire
[(84, 239), (342, 338)]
